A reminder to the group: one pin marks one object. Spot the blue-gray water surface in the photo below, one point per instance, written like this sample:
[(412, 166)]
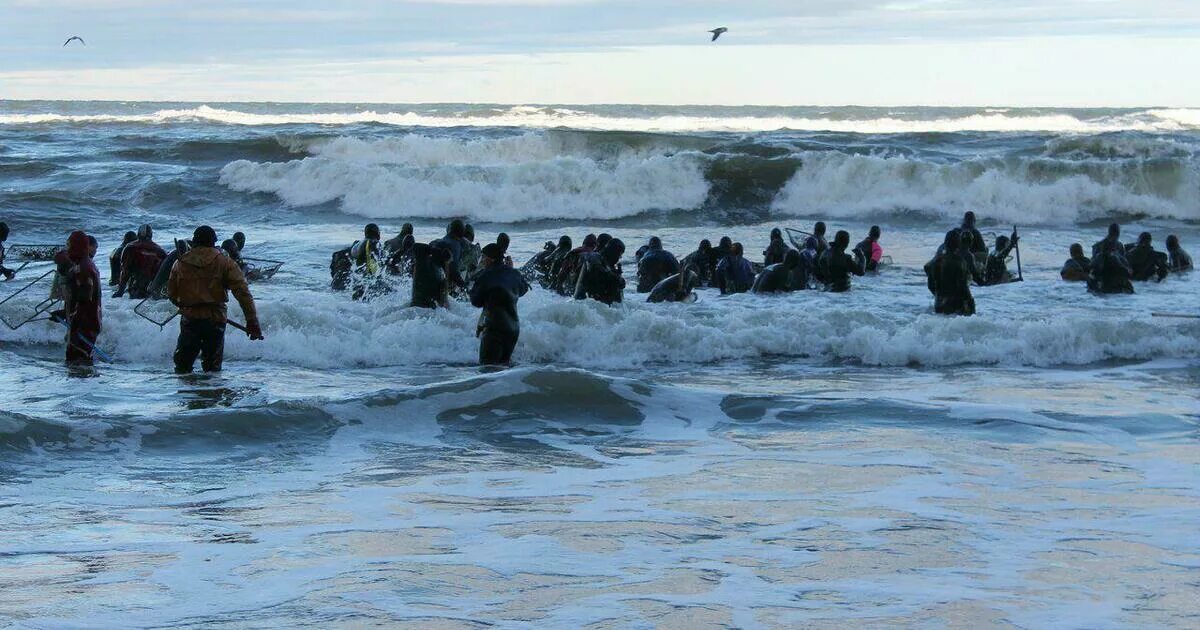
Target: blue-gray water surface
[(812, 459)]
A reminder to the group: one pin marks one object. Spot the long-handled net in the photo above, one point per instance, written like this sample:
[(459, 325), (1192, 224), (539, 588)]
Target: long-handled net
[(156, 311), (29, 304), (261, 268)]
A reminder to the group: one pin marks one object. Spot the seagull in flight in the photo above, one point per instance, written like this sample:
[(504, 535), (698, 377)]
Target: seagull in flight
[(717, 32), (73, 38)]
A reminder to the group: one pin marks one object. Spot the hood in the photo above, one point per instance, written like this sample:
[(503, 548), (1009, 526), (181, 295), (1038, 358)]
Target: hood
[(200, 256), (77, 246)]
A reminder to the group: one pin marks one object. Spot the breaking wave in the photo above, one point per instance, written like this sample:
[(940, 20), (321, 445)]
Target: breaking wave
[(539, 175), (512, 179), (658, 119)]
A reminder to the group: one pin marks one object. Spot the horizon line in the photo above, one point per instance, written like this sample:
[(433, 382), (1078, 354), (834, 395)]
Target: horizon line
[(609, 104)]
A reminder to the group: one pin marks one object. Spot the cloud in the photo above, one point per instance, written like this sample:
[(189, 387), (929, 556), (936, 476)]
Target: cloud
[(139, 35), (1059, 71)]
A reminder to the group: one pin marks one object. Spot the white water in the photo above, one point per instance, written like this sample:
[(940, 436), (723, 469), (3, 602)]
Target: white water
[(504, 180), (536, 175), (1172, 120), (885, 321), (832, 184)]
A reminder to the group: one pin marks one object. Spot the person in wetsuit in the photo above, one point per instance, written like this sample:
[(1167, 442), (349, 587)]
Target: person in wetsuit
[(996, 270), (365, 255), (5, 271), (604, 239), (655, 265), (114, 259), (496, 290), (734, 273), (1144, 261), (724, 247), (341, 267), (868, 251), (140, 261), (1178, 261), (1078, 267), (1114, 236), (779, 277), (430, 285), (805, 274), (158, 288), (680, 287), (976, 245), (836, 265), (776, 249), (566, 274), (231, 249), (1111, 272), (599, 275), (365, 252), (472, 253), (503, 240), (818, 232), (399, 257), (547, 268), (455, 244), (703, 262), (948, 277), (966, 250), (394, 247), (538, 266)]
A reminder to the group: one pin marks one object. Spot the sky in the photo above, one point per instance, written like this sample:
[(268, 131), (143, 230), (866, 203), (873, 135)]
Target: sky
[(1084, 53)]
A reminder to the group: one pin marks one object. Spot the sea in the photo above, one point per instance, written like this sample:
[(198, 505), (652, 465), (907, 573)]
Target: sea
[(806, 460)]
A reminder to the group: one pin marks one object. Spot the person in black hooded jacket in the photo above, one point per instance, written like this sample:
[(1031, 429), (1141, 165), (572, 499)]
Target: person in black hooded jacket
[(655, 265), (430, 287), (496, 290), (836, 265), (776, 250), (455, 244), (1178, 261), (703, 262), (600, 276), (949, 278), (114, 259), (778, 278), (1110, 269), (1145, 262)]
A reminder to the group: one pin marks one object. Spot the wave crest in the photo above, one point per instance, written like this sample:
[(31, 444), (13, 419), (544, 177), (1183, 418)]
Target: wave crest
[(1014, 189), (872, 121), (512, 179)]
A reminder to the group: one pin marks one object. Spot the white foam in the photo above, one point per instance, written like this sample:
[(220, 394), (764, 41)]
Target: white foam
[(548, 117), (832, 184), (871, 325), (512, 179)]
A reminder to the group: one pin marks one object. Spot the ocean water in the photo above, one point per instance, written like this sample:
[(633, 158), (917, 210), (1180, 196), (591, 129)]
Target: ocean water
[(810, 460)]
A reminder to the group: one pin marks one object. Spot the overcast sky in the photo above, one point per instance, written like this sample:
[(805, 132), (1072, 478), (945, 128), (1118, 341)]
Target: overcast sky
[(777, 52)]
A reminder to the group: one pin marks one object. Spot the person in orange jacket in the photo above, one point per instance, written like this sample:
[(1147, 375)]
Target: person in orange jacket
[(198, 285)]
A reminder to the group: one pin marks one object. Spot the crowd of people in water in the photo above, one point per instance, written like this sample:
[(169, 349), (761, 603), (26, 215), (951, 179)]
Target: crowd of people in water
[(198, 275)]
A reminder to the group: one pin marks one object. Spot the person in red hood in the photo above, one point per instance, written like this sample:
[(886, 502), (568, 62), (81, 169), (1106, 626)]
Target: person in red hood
[(81, 297), (139, 264), (198, 285)]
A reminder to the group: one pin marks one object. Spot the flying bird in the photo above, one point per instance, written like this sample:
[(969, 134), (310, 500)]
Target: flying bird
[(73, 38), (717, 32)]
